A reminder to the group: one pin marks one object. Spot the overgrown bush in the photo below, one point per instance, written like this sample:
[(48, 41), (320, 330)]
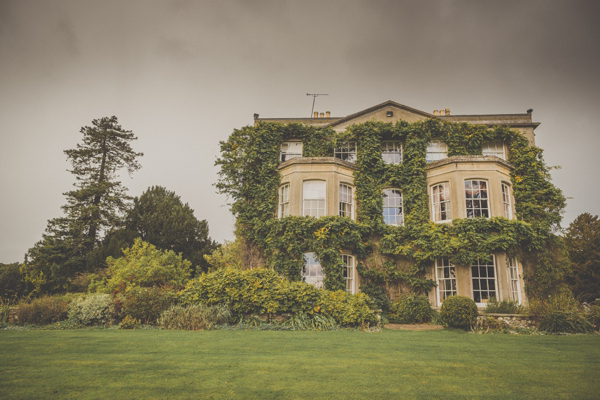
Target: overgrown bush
[(43, 311), (94, 309), (143, 265), (194, 317), (4, 310), (411, 309), (459, 312), (129, 323), (12, 282), (557, 321), (560, 313), (263, 291), (502, 307), (593, 316), (145, 304), (377, 294)]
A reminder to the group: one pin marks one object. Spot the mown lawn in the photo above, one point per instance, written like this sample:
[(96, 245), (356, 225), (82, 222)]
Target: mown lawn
[(265, 364)]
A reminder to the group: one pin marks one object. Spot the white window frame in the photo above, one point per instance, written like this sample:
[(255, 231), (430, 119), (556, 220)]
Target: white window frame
[(441, 202), (284, 200), (514, 282), (391, 152), (346, 152), (308, 203), (398, 219), (479, 197), (349, 271), (445, 277), (506, 201), (312, 271), (494, 148), (436, 150), (483, 281), (346, 200), (290, 149)]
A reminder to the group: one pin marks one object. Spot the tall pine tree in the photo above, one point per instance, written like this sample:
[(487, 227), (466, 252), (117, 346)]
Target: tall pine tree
[(97, 203)]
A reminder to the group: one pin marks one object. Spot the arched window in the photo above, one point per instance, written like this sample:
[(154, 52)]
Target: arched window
[(477, 196), (313, 198), (393, 211), (441, 205)]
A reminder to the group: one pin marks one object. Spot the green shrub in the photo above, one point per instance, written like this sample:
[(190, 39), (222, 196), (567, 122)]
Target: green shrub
[(557, 321), (146, 304), (94, 309), (12, 282), (143, 265), (129, 323), (411, 309), (459, 312), (377, 294), (314, 322), (593, 316), (194, 317), (42, 311), (4, 311), (261, 291), (502, 307), (560, 313)]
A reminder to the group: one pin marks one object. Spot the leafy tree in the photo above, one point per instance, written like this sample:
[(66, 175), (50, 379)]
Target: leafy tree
[(96, 205), (143, 265), (160, 217), (12, 284), (226, 256), (583, 243)]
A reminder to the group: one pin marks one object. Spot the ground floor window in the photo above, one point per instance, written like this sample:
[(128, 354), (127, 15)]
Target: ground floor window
[(312, 272), (483, 275), (513, 277), (446, 279), (349, 272)]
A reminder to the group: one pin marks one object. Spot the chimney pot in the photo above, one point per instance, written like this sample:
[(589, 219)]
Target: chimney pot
[(322, 115), (255, 116), (447, 111), (316, 115), (435, 112), (328, 114)]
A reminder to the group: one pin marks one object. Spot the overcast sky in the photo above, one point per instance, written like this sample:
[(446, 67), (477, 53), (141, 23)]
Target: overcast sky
[(183, 74)]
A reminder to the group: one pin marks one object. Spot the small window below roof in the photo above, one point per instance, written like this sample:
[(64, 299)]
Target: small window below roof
[(494, 148), (436, 150), (290, 150), (346, 152)]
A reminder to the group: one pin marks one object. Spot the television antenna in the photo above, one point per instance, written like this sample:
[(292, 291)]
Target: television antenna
[(314, 95)]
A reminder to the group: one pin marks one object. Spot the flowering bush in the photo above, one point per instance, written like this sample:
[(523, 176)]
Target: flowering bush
[(94, 309)]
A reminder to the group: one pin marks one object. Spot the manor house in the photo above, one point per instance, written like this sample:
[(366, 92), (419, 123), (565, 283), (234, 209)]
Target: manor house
[(459, 187)]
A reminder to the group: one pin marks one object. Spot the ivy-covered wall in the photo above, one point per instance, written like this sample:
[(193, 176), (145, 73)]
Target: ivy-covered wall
[(390, 255)]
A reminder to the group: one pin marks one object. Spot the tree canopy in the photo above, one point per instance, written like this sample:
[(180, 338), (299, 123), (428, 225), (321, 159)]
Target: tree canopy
[(583, 243)]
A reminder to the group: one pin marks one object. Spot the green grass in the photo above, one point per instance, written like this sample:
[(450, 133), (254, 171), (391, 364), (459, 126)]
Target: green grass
[(266, 364)]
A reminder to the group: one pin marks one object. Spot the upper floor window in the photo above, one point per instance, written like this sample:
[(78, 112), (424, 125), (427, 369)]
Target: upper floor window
[(483, 275), (476, 193), (506, 201), (312, 272), (290, 150), (349, 272), (345, 196), (284, 201), (436, 150), (391, 152), (445, 274), (494, 148), (440, 202), (346, 152), (392, 207), (313, 198)]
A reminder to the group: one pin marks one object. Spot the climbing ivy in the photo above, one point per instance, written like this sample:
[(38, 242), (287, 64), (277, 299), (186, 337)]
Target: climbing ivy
[(249, 176)]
